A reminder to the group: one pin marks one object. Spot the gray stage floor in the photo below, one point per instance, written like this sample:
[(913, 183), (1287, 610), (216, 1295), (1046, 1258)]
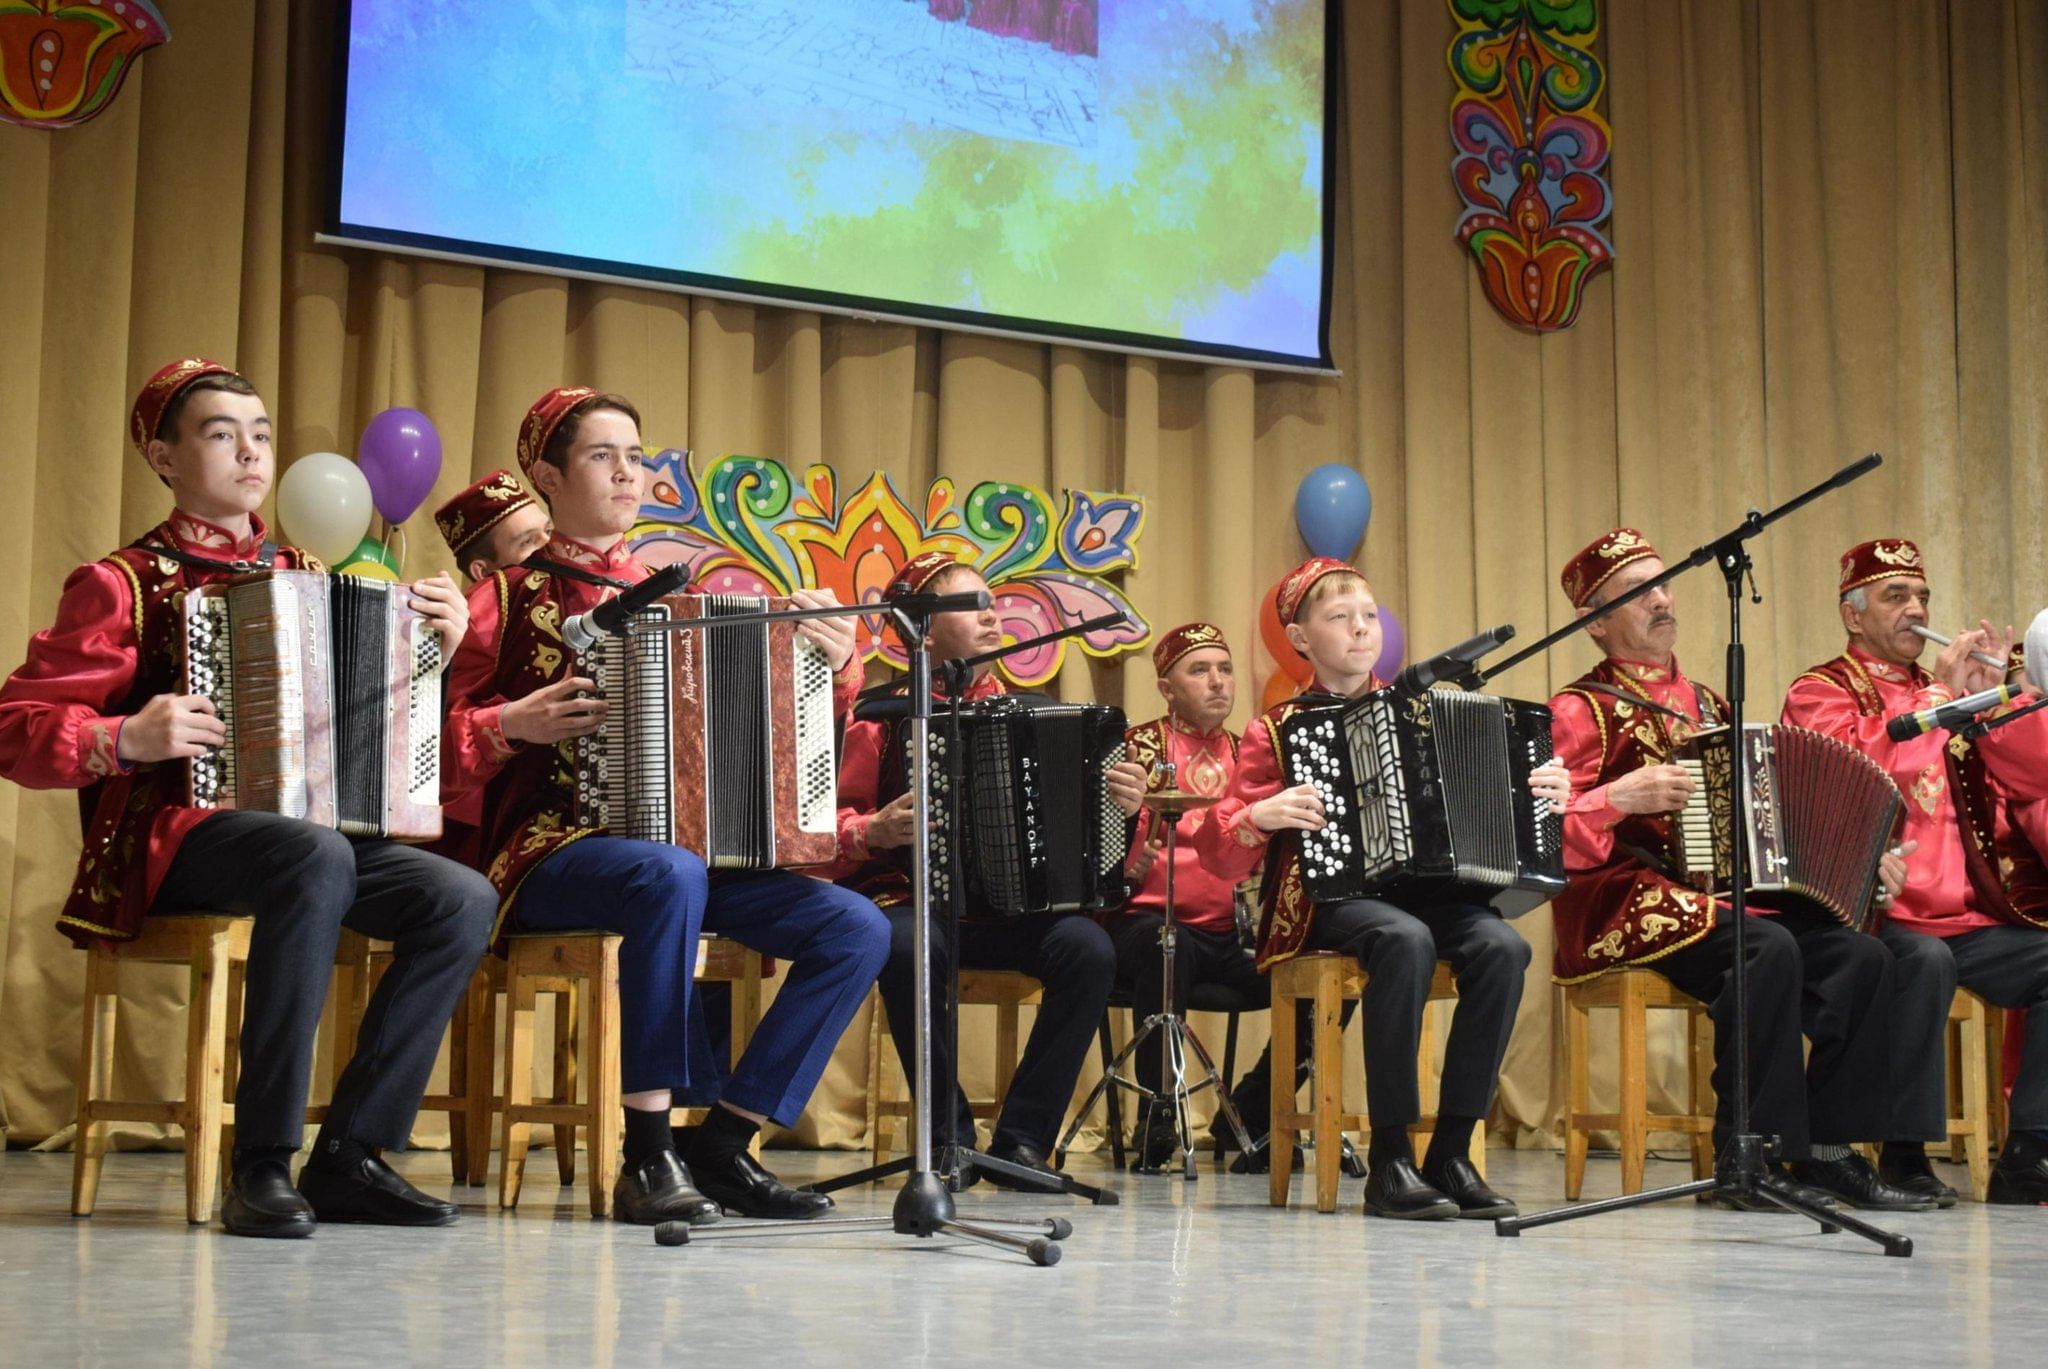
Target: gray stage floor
[(1204, 1271)]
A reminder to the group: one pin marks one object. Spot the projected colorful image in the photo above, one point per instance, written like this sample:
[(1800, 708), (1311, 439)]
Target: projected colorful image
[(1146, 171)]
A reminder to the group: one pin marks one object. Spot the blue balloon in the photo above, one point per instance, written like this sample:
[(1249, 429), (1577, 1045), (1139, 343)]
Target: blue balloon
[(1331, 508)]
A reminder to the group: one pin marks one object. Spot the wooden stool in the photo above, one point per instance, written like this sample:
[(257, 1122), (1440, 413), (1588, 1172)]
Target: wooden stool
[(1632, 992), (1326, 979), (215, 950), (1974, 1087), (571, 966), (1004, 990)]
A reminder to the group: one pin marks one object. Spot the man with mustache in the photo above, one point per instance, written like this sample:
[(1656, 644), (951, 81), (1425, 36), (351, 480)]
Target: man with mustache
[(1975, 905), (1620, 729)]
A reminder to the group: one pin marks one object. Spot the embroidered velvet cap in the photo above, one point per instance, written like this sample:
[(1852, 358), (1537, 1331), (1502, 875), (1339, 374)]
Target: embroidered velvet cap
[(1866, 563), (1182, 640), (478, 509), (1597, 561)]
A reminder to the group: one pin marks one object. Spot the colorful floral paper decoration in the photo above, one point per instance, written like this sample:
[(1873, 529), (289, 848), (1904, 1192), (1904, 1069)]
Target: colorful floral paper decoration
[(1530, 150), (63, 61), (747, 526)]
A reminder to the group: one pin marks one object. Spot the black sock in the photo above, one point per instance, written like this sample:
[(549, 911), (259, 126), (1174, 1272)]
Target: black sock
[(248, 1157), (332, 1150), (1386, 1145), (1904, 1157), (1452, 1138), (724, 1134), (646, 1135)]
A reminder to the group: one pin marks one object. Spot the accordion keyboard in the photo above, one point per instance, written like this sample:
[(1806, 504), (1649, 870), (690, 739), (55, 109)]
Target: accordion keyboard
[(423, 717), (1318, 761), (210, 672), (817, 787)]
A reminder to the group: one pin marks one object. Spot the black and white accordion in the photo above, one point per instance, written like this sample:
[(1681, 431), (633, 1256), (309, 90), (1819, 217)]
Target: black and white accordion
[(1818, 817), (330, 689), (1426, 799), (1031, 821), (717, 740)]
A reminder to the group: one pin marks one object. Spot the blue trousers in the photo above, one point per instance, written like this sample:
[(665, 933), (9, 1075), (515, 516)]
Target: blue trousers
[(660, 899)]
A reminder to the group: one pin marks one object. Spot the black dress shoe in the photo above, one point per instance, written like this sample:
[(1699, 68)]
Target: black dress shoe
[(1152, 1148), (1396, 1190), (1260, 1159), (1023, 1157), (1854, 1182), (372, 1192), (742, 1187), (659, 1189), (261, 1201), (2020, 1178), (1732, 1201), (1917, 1176), (1458, 1180)]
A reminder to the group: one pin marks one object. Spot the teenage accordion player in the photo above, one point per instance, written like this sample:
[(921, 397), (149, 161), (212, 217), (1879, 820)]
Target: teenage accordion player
[(1818, 816), (1020, 808), (329, 687), (718, 740), (1426, 798)]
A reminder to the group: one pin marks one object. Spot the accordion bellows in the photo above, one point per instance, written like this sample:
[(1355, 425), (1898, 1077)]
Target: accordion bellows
[(1817, 819), (1426, 797), (1028, 813), (718, 740), (330, 689)]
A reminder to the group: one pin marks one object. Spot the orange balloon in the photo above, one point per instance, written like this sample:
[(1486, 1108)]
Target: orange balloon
[(1279, 689), (1292, 663)]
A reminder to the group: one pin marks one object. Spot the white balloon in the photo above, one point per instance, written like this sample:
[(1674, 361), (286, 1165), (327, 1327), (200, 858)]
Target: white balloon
[(324, 505)]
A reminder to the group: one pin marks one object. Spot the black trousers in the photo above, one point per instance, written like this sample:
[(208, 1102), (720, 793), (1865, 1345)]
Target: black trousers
[(1399, 950), (302, 884), (1071, 956), (2008, 967), (1199, 957)]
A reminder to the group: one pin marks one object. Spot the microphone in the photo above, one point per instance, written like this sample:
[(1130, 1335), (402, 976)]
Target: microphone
[(581, 632), (1454, 664), (2037, 653), (1907, 726), (926, 605)]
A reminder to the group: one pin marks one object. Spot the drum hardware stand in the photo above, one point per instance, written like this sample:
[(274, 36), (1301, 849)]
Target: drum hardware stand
[(1177, 1037), (1743, 1169), (924, 1206)]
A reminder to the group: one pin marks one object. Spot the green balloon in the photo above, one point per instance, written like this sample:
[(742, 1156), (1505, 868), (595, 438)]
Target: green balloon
[(371, 549)]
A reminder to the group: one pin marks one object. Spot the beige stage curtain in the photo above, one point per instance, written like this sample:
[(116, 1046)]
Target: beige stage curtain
[(1830, 240)]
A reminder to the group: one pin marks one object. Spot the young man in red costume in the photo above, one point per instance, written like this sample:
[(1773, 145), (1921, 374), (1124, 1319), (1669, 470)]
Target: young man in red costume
[(1332, 619), (516, 712), (96, 708), (1071, 956), (1970, 913)]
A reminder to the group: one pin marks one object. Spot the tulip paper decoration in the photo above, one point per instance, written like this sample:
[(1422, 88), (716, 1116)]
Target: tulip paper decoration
[(63, 61), (1530, 151), (746, 525)]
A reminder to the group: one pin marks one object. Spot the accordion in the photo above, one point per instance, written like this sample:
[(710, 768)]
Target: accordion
[(1819, 816), (717, 740), (1028, 813), (1426, 798), (330, 688)]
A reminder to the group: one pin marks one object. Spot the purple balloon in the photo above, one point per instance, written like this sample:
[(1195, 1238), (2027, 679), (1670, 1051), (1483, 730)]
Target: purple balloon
[(1393, 645), (401, 458)]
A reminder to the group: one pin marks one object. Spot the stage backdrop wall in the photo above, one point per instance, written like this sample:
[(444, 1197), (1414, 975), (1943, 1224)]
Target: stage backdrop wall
[(1830, 237)]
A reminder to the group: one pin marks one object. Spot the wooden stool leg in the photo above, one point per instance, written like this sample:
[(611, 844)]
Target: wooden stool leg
[(480, 1076), (518, 1086), (1698, 1104), (1635, 1135), (1976, 1143), (1006, 1050), (459, 1091), (566, 1018), (874, 1099), (607, 1124), (1280, 1119), (1578, 1088), (231, 1065), (206, 1026), (1329, 1091), (99, 1018)]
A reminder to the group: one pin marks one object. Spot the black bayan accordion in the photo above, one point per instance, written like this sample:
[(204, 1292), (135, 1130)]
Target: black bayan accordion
[(1818, 817), (1426, 799), (1026, 808), (718, 740), (330, 689)]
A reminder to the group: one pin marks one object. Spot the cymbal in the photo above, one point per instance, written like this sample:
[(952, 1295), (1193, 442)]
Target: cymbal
[(1174, 802)]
